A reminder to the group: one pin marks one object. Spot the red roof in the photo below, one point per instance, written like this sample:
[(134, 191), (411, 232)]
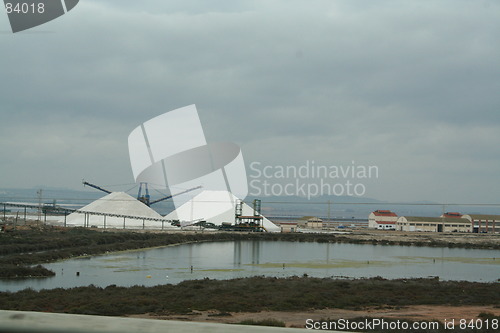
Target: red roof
[(452, 214), (384, 213), (385, 222)]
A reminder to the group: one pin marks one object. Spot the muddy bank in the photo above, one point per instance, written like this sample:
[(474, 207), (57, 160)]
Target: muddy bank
[(459, 240)]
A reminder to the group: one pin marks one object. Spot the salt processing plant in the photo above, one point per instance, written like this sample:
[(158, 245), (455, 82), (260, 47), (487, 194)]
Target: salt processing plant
[(119, 210)]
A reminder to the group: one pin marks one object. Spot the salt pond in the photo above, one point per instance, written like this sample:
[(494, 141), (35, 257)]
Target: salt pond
[(225, 260)]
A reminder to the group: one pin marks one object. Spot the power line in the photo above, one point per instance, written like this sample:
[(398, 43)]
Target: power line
[(378, 203)]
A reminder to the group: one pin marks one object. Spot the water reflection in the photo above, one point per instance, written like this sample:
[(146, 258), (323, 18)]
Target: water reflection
[(241, 249)]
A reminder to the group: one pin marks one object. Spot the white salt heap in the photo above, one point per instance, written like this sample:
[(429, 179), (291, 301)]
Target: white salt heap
[(206, 205), (116, 203)]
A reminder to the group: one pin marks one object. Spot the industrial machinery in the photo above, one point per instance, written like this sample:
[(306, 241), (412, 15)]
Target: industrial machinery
[(52, 209), (146, 198), (252, 223), (96, 187)]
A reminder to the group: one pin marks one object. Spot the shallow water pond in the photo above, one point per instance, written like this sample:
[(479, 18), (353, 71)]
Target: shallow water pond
[(225, 260)]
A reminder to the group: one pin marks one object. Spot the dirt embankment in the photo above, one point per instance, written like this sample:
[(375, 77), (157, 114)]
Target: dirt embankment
[(469, 240), (298, 319)]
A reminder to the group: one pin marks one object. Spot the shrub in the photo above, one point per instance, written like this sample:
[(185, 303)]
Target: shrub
[(263, 322)]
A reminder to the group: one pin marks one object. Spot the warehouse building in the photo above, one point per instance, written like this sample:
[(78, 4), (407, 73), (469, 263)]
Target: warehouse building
[(383, 220), (484, 223), (433, 224), (314, 223), (288, 226)]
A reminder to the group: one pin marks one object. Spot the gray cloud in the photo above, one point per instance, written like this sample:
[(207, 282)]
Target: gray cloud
[(409, 86)]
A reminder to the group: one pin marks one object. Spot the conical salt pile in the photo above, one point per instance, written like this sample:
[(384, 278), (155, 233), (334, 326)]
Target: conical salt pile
[(116, 203), (205, 206)]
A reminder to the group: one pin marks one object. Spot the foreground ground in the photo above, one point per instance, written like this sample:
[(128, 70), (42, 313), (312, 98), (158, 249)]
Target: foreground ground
[(284, 301), (288, 301), (440, 313)]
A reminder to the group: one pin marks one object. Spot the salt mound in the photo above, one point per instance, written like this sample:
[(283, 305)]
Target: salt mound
[(119, 203), (206, 205)]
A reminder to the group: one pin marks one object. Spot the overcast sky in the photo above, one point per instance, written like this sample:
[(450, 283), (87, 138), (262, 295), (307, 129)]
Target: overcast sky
[(412, 87)]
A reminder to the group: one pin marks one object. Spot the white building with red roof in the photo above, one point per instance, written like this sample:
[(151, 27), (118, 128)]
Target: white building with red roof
[(382, 219)]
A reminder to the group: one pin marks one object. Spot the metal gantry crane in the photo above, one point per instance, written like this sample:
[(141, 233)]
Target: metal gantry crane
[(175, 194), (95, 186), (146, 198)]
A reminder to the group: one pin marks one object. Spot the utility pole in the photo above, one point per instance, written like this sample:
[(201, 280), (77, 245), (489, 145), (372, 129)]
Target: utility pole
[(443, 218), (329, 221), (39, 193)]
